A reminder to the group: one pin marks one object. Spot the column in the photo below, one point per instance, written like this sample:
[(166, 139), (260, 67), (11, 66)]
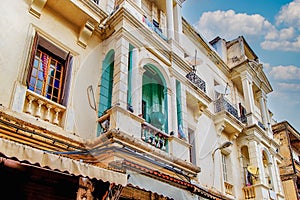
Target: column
[(136, 83), (268, 117), (262, 97), (119, 96), (278, 179), (177, 22), (138, 3), (184, 110), (170, 23), (170, 109), (173, 106), (248, 95), (256, 159)]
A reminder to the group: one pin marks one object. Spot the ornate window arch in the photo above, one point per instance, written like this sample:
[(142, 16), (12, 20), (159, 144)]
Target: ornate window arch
[(155, 97)]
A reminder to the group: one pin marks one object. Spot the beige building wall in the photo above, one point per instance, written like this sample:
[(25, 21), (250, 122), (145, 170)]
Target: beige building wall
[(289, 189)]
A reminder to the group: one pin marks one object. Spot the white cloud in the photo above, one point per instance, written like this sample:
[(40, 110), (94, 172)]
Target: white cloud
[(291, 87), (285, 73), (286, 38), (229, 25), (282, 44), (290, 14)]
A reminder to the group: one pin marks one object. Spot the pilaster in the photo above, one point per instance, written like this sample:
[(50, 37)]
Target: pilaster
[(184, 109), (256, 159), (136, 81), (177, 22), (120, 83), (262, 101), (173, 106), (248, 95), (170, 21)]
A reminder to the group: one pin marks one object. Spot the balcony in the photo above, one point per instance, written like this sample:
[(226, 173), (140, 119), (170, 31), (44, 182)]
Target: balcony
[(197, 81), (43, 108), (227, 117), (157, 30), (249, 192), (222, 104), (155, 137)]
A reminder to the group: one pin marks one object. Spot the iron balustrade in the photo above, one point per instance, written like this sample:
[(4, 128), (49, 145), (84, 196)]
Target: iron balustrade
[(261, 125), (222, 104), (196, 80)]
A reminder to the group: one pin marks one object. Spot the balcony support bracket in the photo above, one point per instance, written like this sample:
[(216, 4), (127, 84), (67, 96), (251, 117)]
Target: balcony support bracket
[(36, 7), (85, 34)]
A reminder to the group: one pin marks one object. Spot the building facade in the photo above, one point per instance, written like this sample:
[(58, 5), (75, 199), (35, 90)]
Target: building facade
[(123, 99), (290, 166)]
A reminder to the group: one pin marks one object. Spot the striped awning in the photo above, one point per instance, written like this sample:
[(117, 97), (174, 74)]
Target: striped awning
[(41, 158)]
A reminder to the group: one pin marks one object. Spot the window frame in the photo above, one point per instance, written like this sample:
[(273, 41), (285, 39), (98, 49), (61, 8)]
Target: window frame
[(224, 162), (43, 44)]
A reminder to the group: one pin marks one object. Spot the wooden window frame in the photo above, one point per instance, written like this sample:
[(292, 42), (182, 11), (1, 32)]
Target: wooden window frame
[(42, 46)]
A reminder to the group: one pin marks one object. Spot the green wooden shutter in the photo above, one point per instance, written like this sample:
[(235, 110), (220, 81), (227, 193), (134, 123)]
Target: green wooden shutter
[(106, 86), (178, 103), (129, 95)]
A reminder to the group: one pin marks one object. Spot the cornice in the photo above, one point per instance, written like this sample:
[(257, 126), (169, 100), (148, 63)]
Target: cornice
[(263, 137)]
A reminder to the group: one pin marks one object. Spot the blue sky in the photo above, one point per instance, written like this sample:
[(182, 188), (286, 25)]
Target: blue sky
[(272, 29)]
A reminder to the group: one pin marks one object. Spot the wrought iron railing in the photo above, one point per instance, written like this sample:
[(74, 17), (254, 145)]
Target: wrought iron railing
[(222, 104), (196, 80), (261, 125), (155, 137)]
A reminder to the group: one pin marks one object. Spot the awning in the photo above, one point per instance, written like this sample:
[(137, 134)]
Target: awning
[(55, 162), (138, 180)]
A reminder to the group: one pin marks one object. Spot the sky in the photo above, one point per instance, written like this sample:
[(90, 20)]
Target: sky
[(272, 29)]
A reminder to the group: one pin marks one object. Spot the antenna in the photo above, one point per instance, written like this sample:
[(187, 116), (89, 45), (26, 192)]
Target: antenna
[(224, 90), (193, 61)]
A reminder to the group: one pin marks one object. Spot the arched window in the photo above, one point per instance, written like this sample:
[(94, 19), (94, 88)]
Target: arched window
[(267, 170), (106, 83), (246, 163), (154, 100), (106, 86)]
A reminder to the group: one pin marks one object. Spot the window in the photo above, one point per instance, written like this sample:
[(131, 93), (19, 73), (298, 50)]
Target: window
[(225, 167), (154, 98), (192, 142), (50, 70), (106, 83)]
